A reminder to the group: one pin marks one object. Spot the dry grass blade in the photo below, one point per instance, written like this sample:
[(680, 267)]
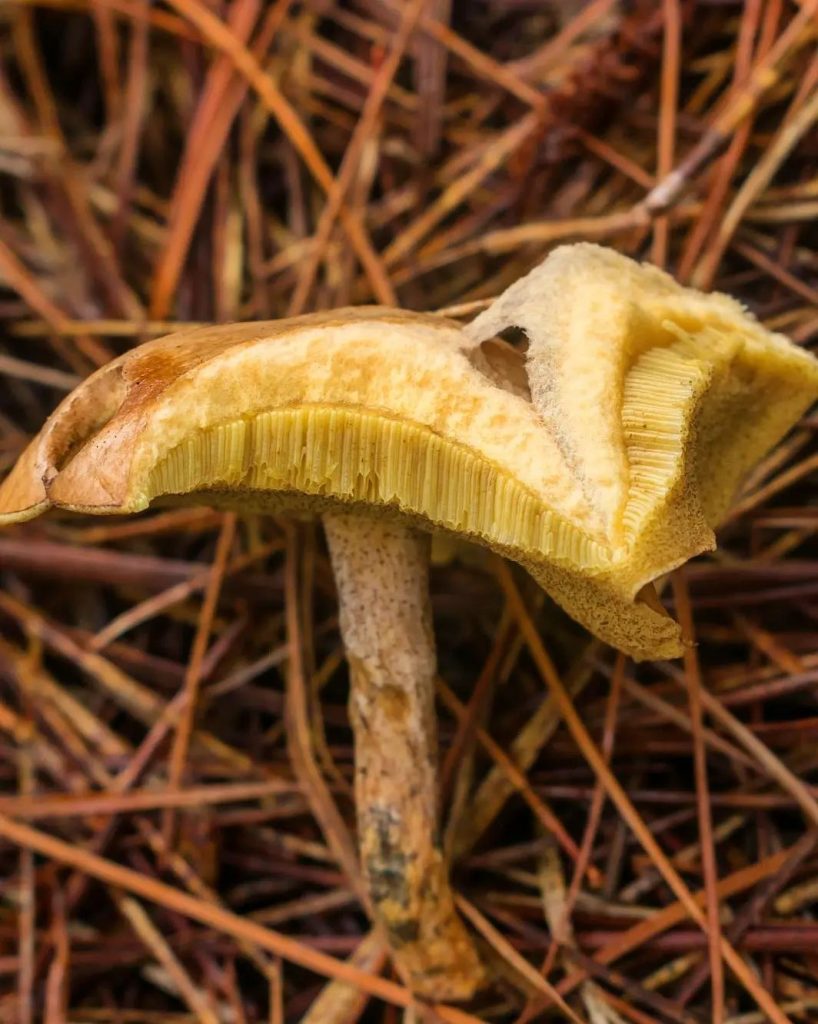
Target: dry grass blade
[(694, 688), (673, 914), (669, 99), (507, 952), (764, 757), (339, 1002), (499, 784), (544, 814), (619, 797), (152, 937), (299, 738), (213, 916), (352, 156), (220, 36), (15, 276), (193, 676)]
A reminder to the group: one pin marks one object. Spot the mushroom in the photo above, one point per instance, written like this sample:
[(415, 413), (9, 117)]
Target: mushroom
[(648, 404)]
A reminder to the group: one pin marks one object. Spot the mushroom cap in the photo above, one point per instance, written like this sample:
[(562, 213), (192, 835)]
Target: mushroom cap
[(395, 414), (602, 331)]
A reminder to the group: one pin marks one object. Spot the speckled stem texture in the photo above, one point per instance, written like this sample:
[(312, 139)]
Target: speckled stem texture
[(381, 570)]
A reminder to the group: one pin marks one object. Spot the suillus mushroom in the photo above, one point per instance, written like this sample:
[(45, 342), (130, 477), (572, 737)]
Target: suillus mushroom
[(648, 404)]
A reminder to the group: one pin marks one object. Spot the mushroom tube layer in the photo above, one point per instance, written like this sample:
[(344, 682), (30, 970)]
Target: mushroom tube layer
[(387, 412)]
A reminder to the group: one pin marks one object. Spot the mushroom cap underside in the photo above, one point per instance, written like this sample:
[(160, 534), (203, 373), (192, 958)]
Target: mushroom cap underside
[(386, 411)]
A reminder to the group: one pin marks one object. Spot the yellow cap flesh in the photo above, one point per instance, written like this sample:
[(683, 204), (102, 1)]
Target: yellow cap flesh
[(393, 413)]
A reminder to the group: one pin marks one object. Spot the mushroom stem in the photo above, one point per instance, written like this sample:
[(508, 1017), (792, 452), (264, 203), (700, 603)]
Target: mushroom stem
[(382, 575)]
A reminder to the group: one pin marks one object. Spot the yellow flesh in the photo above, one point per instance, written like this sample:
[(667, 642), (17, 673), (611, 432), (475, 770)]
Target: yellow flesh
[(384, 411), (361, 456)]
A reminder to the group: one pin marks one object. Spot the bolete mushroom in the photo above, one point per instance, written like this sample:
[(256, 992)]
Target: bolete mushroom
[(648, 404)]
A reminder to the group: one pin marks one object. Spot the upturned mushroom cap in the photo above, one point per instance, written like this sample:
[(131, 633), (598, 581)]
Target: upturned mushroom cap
[(617, 349), (390, 413)]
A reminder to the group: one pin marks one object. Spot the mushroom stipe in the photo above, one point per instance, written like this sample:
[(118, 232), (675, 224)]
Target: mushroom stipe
[(600, 460)]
